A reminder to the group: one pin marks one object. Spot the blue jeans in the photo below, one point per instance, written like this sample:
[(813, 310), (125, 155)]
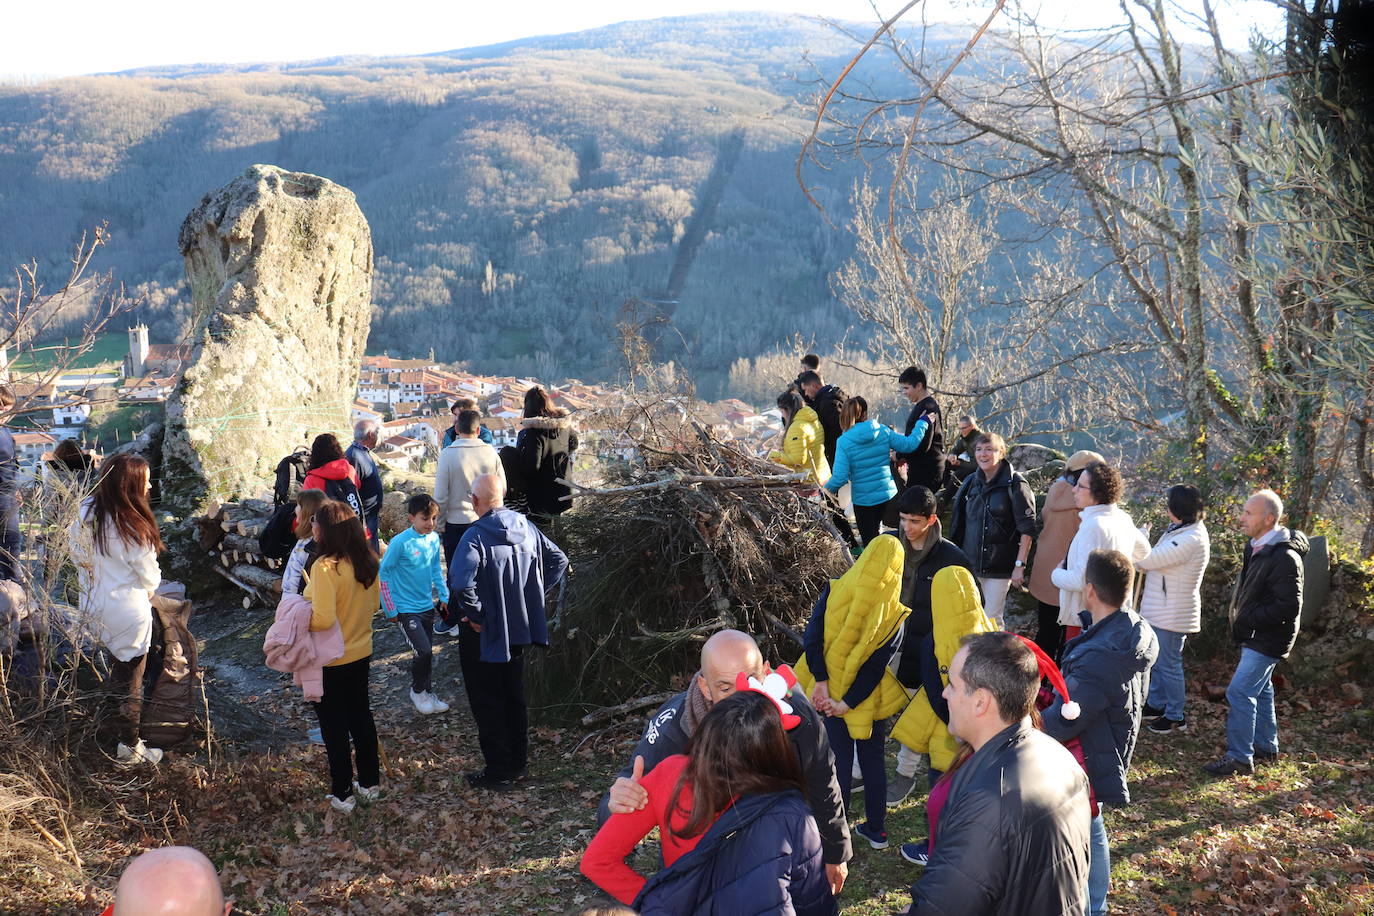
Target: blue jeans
[(1166, 677), (1099, 868), (1251, 722), (871, 763)]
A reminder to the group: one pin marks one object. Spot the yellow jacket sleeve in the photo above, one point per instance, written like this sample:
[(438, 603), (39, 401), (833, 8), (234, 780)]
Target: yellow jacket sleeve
[(323, 597)]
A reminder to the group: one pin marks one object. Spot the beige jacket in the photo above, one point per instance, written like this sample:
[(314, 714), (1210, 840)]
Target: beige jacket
[(459, 465), (1060, 516)]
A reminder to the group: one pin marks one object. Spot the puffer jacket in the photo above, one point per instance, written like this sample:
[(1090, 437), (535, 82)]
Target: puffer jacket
[(863, 614), (1107, 671), (862, 459), (338, 469), (1172, 597), (956, 611), (1099, 528), (290, 645), (989, 517), (1013, 837), (1267, 608), (761, 856), (804, 447), (545, 447)]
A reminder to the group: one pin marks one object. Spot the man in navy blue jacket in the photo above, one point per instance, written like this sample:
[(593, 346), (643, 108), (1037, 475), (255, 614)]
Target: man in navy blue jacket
[(1107, 670), (500, 571)]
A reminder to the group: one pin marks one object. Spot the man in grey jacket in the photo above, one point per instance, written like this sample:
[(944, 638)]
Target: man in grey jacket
[(1012, 838)]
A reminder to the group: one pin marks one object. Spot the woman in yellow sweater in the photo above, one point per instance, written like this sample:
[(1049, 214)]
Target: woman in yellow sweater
[(343, 587)]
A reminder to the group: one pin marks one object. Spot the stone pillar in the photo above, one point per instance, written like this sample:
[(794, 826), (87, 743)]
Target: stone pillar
[(280, 269)]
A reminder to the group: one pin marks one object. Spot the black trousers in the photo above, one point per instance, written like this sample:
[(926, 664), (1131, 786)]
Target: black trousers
[(10, 540), (1050, 635), (127, 680), (345, 715), (453, 533), (418, 629), (870, 519), (496, 693)]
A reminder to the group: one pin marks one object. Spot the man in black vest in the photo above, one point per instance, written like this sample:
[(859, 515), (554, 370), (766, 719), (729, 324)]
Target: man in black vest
[(925, 465)]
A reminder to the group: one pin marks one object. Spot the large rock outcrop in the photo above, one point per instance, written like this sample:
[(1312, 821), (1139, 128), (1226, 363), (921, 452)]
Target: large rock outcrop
[(280, 269)]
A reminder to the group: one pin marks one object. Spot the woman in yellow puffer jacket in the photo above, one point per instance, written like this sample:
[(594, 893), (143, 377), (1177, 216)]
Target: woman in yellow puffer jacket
[(849, 640), (803, 447), (956, 610)]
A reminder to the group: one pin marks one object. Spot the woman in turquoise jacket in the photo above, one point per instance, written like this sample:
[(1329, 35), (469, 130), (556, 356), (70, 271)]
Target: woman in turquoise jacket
[(863, 459)]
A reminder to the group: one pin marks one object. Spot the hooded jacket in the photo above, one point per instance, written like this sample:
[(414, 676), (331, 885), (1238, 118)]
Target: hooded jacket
[(1100, 528), (1013, 837), (804, 447), (989, 517), (862, 459), (500, 571), (761, 856), (1172, 597), (1267, 608), (335, 478), (956, 611), (1106, 669), (115, 583), (862, 615), (545, 448), (666, 734), (829, 401)]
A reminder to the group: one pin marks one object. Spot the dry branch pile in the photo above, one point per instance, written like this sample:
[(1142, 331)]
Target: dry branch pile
[(229, 533), (694, 538)]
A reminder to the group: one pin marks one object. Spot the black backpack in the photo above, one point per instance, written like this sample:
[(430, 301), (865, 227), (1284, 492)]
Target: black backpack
[(169, 685), (277, 539), (290, 475), (345, 492)]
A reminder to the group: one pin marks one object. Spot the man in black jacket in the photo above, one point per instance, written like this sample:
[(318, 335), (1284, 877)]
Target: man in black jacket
[(827, 401), (1107, 671), (925, 465), (359, 454), (1012, 838), (1265, 613), (926, 553), (724, 655)]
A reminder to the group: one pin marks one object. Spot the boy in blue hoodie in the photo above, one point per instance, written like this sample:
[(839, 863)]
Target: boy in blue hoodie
[(413, 586)]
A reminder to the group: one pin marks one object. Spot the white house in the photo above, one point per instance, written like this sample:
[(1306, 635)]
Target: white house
[(74, 411), (29, 447), (411, 448), (361, 410)]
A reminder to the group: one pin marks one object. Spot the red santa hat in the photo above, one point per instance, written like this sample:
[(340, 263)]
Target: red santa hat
[(777, 686), (1048, 669)]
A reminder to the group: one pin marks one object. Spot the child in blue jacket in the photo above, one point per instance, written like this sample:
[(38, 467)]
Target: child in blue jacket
[(413, 586)]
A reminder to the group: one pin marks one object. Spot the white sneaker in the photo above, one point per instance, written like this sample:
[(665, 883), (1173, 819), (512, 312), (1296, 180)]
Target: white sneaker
[(367, 794), (437, 704), (139, 753), (422, 703), (344, 805)]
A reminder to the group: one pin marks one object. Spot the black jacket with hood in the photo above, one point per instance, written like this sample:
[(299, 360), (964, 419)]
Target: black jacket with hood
[(926, 465), (1107, 671), (1012, 839), (1267, 607), (545, 448), (828, 403)]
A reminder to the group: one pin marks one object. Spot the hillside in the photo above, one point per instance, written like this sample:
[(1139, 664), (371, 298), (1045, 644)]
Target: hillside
[(518, 194)]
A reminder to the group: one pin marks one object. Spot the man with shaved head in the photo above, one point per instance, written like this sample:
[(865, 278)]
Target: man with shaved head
[(726, 654), (172, 881), (500, 571)]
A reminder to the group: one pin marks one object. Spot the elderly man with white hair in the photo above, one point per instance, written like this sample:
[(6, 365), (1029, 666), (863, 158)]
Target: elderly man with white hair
[(1265, 611), (359, 454), (171, 881)]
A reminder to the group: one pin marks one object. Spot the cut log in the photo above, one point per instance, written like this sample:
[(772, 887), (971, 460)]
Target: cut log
[(239, 542), (258, 578), (251, 527)]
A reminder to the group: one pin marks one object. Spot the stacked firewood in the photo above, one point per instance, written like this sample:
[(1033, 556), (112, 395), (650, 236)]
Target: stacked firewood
[(229, 533)]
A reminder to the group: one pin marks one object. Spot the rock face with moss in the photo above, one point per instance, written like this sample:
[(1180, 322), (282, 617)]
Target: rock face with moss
[(280, 269)]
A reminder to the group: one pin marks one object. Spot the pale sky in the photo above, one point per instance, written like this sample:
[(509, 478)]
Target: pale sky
[(66, 37)]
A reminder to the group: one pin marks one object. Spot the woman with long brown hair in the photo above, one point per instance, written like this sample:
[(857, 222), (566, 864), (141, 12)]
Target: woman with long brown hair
[(343, 588), (732, 803), (115, 543), (545, 447)]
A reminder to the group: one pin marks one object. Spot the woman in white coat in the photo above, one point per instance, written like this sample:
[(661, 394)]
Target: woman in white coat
[(1172, 602), (115, 544), (1103, 525)]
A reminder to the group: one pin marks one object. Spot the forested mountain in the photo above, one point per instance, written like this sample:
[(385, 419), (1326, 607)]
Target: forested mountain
[(518, 194)]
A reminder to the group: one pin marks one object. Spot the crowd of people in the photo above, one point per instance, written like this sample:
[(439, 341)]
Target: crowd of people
[(749, 774)]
